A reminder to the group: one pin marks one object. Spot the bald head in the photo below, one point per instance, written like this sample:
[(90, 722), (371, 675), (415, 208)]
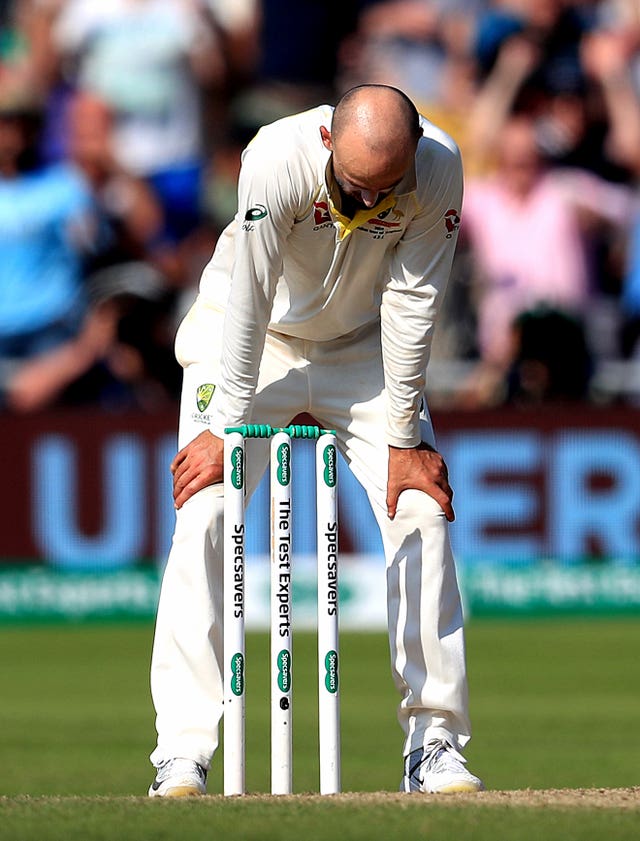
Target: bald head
[(382, 116), (373, 137)]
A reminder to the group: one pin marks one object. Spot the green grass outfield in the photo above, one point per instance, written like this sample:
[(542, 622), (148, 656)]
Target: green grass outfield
[(555, 705)]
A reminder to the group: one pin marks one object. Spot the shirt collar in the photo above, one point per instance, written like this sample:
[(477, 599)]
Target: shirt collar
[(347, 225)]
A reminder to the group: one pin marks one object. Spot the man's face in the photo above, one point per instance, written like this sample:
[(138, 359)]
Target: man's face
[(364, 177), (364, 195), (519, 161)]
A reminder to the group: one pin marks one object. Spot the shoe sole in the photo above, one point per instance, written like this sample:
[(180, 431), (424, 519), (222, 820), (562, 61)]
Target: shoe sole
[(183, 791), (458, 788), (177, 791)]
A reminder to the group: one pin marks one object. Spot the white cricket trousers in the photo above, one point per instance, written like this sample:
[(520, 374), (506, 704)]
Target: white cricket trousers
[(340, 383)]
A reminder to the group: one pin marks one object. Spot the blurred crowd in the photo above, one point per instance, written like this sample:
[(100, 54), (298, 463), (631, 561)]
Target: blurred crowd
[(121, 128)]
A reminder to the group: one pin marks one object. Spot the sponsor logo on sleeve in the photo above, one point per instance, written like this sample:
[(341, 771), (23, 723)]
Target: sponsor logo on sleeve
[(452, 222), (254, 214)]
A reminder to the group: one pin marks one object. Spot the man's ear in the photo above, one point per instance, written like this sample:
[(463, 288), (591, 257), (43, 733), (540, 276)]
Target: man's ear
[(325, 134)]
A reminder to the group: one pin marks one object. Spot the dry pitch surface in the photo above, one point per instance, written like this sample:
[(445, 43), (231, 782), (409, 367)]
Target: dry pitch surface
[(589, 798), (555, 798)]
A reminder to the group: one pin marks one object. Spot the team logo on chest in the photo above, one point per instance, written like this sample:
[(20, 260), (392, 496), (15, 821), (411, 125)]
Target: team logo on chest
[(386, 222)]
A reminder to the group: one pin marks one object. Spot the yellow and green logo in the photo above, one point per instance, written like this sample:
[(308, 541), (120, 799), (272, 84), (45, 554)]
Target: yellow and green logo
[(204, 395)]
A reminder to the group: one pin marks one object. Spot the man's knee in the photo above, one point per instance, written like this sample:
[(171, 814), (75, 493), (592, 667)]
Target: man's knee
[(418, 505)]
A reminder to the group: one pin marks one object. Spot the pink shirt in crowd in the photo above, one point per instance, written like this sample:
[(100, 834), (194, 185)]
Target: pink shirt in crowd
[(528, 251)]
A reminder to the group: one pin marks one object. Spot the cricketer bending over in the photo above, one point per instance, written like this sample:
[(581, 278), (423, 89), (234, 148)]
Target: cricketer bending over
[(328, 283)]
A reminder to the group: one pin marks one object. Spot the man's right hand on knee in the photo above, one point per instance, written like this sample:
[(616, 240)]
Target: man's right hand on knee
[(199, 464)]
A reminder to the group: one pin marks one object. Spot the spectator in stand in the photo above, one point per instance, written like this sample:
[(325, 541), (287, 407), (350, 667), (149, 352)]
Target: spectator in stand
[(46, 222), (528, 59), (397, 42), (121, 355), (130, 219), (238, 25), (119, 359), (571, 130), (554, 27), (148, 60), (525, 232), (297, 59), (408, 42)]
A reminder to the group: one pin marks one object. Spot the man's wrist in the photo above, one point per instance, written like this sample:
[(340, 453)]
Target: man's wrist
[(404, 442)]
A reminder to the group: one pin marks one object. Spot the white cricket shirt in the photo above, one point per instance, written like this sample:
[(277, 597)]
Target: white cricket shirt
[(291, 263)]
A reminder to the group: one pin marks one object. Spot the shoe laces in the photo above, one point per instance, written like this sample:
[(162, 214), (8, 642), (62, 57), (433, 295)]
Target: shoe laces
[(438, 756), (173, 767)]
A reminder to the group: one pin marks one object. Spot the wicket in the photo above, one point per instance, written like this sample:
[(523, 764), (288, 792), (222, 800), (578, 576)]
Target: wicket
[(281, 618)]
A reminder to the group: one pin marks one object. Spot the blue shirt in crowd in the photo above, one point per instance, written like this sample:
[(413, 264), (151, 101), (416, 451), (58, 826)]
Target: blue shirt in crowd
[(43, 218)]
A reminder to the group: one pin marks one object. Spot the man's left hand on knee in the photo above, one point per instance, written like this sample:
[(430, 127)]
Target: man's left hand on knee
[(419, 468)]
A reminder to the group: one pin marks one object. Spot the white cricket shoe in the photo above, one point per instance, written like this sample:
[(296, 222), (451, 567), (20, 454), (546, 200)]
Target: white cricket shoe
[(179, 778), (438, 769)]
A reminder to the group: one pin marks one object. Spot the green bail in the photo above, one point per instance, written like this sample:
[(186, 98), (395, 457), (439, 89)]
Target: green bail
[(264, 430)]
